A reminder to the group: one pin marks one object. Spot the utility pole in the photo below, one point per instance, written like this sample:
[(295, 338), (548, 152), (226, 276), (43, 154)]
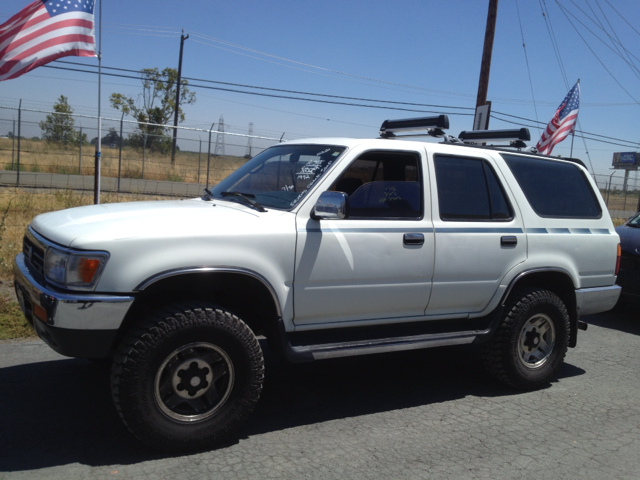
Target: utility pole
[(485, 67), (175, 117)]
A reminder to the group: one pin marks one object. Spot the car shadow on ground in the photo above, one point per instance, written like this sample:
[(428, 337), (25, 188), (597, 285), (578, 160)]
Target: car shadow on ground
[(60, 412), (626, 319)]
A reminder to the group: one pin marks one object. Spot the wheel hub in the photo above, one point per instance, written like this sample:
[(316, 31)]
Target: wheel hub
[(194, 382), (537, 341), (532, 339), (192, 378)]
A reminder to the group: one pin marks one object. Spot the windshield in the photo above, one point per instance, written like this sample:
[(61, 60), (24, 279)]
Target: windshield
[(634, 222), (280, 176)]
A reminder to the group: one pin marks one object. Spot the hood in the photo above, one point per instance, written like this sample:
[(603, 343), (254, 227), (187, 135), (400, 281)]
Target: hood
[(83, 227)]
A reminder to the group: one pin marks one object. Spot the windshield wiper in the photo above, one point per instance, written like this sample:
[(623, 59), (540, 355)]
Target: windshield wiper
[(247, 197)]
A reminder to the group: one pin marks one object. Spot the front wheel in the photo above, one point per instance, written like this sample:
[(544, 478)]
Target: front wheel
[(531, 341), (187, 378)]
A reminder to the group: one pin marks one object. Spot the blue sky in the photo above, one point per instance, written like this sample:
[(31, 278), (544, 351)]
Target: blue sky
[(425, 52)]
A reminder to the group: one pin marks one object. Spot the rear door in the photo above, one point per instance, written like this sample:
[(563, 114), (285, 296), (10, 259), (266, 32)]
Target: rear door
[(479, 233)]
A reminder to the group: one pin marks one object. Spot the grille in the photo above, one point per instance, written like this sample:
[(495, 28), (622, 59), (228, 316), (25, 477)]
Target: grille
[(34, 255)]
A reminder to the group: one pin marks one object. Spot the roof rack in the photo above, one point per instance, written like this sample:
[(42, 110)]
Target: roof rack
[(433, 125), (514, 137)]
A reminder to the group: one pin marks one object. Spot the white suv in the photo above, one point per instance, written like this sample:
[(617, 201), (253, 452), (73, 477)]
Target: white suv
[(328, 247)]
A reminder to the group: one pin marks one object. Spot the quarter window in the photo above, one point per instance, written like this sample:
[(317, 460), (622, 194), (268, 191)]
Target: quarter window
[(468, 190), (554, 189)]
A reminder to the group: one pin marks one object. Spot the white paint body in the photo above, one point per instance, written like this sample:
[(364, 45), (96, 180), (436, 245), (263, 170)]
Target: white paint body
[(345, 272)]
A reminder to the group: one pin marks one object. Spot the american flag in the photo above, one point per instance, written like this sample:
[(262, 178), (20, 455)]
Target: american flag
[(562, 123), (45, 31)]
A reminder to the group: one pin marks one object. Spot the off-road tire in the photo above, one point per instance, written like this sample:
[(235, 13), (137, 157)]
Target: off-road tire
[(531, 341), (187, 378)]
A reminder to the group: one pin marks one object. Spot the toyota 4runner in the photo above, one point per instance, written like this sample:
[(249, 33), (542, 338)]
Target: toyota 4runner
[(328, 247)]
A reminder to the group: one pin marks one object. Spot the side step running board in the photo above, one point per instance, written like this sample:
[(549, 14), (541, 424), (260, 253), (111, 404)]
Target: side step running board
[(307, 353)]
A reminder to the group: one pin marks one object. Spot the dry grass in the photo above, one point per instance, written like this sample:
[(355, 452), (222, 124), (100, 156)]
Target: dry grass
[(17, 209), (618, 201), (12, 322), (40, 156)]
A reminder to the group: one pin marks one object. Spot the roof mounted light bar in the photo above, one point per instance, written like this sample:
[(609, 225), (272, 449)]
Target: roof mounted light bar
[(513, 136), (433, 125)]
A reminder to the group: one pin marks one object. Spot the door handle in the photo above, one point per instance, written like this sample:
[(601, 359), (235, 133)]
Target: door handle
[(508, 241), (413, 239)]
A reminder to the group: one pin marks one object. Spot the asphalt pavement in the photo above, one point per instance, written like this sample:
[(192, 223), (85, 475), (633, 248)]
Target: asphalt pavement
[(422, 414)]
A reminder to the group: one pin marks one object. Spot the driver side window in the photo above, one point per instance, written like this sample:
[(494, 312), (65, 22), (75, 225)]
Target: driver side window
[(383, 185)]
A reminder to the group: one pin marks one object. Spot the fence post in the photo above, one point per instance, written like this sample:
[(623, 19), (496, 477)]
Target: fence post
[(13, 144), (120, 152), (80, 154), (609, 187), (19, 128), (199, 152), (624, 189), (144, 152), (209, 155)]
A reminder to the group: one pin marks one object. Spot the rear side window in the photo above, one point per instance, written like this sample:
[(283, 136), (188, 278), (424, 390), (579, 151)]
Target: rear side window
[(554, 189), (468, 190)]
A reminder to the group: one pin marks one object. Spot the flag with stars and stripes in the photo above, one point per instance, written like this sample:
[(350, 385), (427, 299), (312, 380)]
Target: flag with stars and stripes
[(562, 123), (45, 31)]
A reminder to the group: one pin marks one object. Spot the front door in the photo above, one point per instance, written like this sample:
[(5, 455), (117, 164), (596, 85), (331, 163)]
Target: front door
[(378, 263)]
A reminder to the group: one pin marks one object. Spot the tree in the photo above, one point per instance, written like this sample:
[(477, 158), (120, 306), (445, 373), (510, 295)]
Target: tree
[(111, 139), (58, 126), (156, 104)]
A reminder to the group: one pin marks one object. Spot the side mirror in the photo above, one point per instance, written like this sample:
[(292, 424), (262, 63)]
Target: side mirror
[(331, 206)]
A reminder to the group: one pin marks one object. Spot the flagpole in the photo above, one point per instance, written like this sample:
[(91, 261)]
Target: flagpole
[(573, 132), (96, 184)]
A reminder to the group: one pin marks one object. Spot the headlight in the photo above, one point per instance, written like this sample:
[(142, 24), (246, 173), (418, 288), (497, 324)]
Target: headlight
[(74, 270)]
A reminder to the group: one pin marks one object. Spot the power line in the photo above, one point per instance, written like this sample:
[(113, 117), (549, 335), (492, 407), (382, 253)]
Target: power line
[(297, 92), (526, 58), (594, 54), (326, 101)]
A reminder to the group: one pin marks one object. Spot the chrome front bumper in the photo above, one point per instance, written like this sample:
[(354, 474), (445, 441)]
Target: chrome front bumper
[(78, 325)]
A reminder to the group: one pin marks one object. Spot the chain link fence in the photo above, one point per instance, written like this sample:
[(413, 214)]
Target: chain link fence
[(38, 148), (57, 150), (621, 192)]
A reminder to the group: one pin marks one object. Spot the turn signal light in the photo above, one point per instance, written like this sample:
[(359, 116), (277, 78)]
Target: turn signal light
[(618, 259), (40, 312), (87, 269)]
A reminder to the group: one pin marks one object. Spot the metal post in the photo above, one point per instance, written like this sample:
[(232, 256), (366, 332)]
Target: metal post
[(199, 152), (624, 189), (209, 154), (80, 154), (96, 173), (144, 152), (120, 152), (177, 106), (19, 128), (609, 187), (13, 143)]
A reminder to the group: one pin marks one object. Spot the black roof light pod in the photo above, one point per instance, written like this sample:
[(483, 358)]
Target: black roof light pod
[(433, 125), (514, 136)]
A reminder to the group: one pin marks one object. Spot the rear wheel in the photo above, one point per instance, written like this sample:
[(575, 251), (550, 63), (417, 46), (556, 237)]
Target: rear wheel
[(531, 341), (188, 377)]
